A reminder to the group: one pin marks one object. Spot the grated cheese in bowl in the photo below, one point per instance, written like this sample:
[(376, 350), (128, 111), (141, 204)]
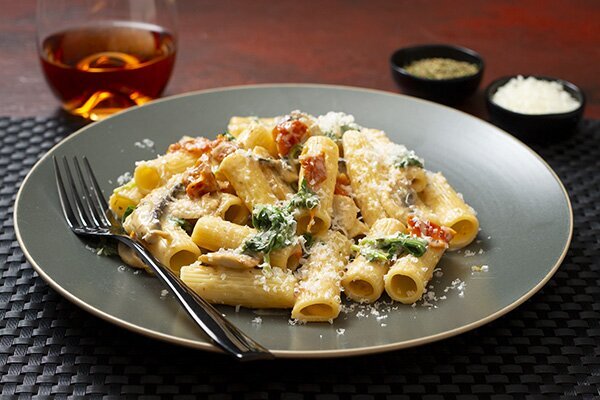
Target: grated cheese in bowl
[(534, 96), (536, 109)]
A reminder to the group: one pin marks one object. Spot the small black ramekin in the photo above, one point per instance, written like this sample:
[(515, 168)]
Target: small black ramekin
[(447, 91), (536, 128)]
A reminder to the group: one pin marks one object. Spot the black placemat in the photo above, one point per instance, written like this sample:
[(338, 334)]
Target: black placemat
[(547, 348)]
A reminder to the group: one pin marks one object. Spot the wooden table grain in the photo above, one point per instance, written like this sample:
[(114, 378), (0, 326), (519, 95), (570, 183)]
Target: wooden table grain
[(237, 42)]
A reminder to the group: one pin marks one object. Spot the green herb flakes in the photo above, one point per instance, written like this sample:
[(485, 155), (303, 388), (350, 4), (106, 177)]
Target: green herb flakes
[(441, 68)]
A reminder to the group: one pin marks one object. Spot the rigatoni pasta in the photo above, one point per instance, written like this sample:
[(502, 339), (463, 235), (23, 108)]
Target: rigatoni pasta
[(124, 197), (294, 212), (451, 210), (363, 280), (407, 278), (250, 287), (153, 173), (319, 291), (242, 170), (362, 164), (318, 171)]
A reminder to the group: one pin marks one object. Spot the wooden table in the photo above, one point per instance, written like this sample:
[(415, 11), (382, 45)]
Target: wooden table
[(224, 43)]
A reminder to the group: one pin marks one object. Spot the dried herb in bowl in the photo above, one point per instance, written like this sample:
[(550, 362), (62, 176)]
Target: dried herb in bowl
[(441, 68)]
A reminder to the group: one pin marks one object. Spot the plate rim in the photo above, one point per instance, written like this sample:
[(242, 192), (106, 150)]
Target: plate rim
[(290, 353)]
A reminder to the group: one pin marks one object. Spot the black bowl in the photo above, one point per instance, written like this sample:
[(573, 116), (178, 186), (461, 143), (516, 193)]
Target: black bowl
[(538, 128), (447, 91)]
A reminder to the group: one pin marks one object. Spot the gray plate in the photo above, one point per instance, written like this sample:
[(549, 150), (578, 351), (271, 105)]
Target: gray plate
[(525, 215)]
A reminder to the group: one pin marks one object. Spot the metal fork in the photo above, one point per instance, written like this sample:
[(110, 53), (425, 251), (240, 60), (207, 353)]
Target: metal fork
[(85, 209)]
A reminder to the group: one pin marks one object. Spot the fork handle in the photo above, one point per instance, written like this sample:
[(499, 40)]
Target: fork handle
[(222, 332)]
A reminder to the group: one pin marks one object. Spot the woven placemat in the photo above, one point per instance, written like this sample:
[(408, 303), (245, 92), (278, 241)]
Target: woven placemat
[(547, 348)]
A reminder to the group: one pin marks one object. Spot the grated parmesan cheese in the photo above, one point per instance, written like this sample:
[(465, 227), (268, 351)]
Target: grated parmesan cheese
[(124, 178), (333, 123), (145, 144), (534, 96), (469, 253)]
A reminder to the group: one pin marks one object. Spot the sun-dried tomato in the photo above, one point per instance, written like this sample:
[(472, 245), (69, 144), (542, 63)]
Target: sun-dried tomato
[(314, 169), (289, 133), (440, 235)]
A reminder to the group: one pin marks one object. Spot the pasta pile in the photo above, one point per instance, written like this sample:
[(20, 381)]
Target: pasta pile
[(291, 212)]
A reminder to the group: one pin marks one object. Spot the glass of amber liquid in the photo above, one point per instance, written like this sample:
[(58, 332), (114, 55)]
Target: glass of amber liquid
[(102, 56)]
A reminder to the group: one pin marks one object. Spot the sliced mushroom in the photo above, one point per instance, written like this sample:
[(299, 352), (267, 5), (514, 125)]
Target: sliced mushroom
[(229, 259)]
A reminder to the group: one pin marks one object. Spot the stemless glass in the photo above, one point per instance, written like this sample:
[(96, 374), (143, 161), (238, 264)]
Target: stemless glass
[(102, 56)]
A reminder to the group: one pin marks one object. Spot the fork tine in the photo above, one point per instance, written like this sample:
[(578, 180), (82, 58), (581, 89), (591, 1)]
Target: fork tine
[(83, 217), (95, 186), (90, 201), (64, 199)]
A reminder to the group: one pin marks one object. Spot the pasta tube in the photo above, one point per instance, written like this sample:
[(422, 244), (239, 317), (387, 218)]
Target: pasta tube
[(213, 233), (402, 176), (345, 217), (256, 135), (231, 208), (451, 210), (366, 182), (363, 280), (319, 287), (244, 173), (163, 238), (319, 168), (172, 247), (252, 288), (124, 197), (225, 205), (407, 278), (278, 185), (408, 166), (237, 124), (153, 173)]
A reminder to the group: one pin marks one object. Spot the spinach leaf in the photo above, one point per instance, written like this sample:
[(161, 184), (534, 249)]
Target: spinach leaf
[(349, 127), (276, 229), (409, 159), (228, 136), (295, 151), (185, 225), (276, 225), (127, 212), (304, 198), (388, 247), (309, 240)]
